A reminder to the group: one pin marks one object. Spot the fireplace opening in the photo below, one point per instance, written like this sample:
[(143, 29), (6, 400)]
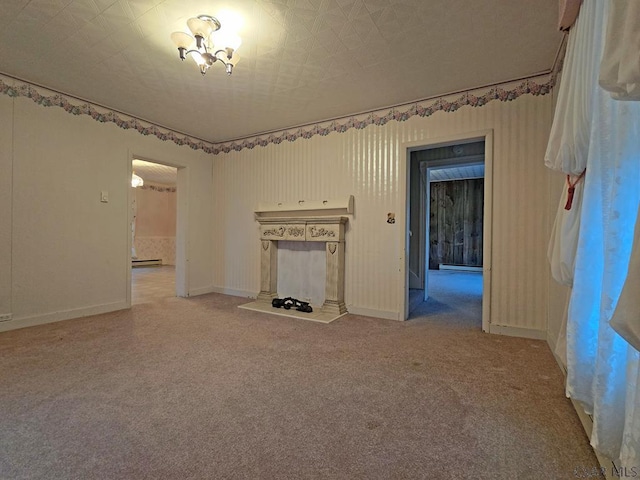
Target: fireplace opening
[(302, 269)]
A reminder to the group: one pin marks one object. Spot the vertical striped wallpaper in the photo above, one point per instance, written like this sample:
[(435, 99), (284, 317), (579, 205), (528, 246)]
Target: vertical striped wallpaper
[(368, 164)]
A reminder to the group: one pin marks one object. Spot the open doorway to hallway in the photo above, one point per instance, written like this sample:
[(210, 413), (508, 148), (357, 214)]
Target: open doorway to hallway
[(446, 226), (153, 229), (455, 297)]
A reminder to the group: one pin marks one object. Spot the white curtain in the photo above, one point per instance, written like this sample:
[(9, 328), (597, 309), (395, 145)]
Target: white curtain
[(568, 146), (620, 75), (620, 69), (626, 319), (602, 366)]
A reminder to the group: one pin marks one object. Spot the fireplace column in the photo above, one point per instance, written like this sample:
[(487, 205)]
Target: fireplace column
[(334, 286), (268, 270)]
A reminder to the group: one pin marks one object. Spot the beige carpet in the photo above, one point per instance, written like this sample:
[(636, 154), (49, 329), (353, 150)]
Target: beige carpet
[(197, 388)]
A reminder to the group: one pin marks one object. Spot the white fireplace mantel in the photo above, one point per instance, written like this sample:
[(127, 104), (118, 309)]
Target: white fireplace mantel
[(299, 228), (303, 229), (308, 208)]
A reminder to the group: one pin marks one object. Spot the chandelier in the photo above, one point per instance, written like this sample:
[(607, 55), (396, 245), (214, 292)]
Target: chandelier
[(209, 44)]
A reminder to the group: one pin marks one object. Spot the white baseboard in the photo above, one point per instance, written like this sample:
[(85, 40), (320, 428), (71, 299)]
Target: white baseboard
[(234, 292), (461, 268), (552, 341), (63, 315), (194, 292), (369, 312), (518, 332)]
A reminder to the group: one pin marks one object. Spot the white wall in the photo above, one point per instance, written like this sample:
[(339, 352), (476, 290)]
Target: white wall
[(53, 166), (366, 164), (63, 253), (6, 172), (155, 224)]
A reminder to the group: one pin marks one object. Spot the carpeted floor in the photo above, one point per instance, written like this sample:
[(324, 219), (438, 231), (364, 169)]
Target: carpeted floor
[(199, 389)]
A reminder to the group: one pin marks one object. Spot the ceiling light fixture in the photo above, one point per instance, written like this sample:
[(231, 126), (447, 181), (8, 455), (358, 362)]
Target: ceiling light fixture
[(136, 181), (212, 43)]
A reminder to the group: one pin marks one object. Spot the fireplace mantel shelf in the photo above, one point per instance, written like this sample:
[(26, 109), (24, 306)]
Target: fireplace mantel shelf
[(313, 208)]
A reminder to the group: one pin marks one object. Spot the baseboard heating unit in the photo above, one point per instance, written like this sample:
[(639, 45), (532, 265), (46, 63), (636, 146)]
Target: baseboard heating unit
[(146, 263)]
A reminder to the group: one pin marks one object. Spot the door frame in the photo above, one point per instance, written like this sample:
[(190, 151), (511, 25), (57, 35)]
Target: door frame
[(405, 192), (182, 224)]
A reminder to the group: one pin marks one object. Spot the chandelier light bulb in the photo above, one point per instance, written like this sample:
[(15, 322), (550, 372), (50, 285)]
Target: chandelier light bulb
[(200, 61)]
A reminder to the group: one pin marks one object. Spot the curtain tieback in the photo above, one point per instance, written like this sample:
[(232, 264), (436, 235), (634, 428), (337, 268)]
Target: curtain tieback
[(572, 189)]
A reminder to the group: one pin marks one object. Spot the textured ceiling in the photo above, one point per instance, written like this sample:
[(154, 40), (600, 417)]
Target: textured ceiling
[(302, 61), (456, 173), (155, 173)]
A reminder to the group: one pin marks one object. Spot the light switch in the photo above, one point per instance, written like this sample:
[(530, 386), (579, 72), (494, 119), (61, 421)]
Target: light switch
[(104, 196)]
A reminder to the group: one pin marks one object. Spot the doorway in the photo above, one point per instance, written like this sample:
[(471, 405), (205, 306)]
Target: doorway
[(155, 233), (448, 234)]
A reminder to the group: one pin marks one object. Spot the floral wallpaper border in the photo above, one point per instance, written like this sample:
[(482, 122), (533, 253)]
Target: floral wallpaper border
[(100, 114), (539, 85), (157, 188), (400, 114)]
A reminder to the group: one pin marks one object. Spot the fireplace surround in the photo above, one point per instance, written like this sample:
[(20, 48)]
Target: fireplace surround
[(299, 226)]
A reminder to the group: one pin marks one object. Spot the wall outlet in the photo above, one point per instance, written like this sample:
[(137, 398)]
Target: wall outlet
[(5, 317)]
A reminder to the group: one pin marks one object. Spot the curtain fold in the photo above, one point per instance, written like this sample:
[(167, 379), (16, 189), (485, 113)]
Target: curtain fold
[(564, 237), (602, 367), (598, 359), (568, 146), (626, 319), (620, 68)]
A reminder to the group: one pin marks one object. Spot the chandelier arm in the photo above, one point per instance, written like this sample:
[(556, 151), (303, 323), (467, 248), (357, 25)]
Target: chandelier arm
[(195, 50), (226, 55)]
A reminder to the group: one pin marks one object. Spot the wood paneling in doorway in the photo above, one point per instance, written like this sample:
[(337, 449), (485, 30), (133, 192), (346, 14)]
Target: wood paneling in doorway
[(455, 227)]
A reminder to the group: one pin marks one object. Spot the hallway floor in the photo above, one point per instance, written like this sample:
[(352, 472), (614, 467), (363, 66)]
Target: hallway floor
[(150, 284), (450, 292)]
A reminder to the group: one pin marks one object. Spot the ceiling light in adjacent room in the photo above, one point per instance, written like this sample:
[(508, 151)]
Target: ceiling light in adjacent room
[(209, 44), (136, 181)]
